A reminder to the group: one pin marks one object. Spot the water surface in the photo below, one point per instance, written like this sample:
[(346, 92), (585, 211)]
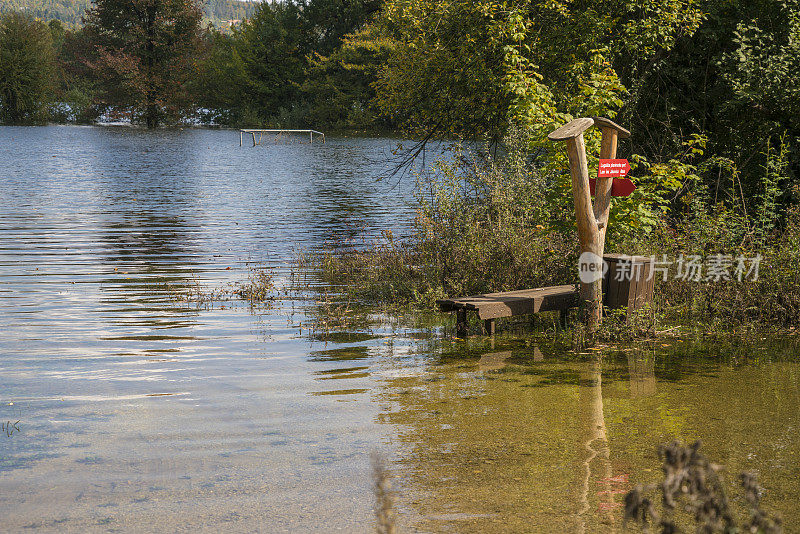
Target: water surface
[(141, 412)]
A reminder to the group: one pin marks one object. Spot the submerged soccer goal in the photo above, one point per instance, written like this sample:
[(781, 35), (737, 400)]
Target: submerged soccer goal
[(280, 136)]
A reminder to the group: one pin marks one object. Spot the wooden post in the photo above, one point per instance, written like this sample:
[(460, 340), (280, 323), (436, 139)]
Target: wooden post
[(254, 139), (461, 322), (240, 137), (588, 232), (488, 327), (562, 319), (602, 191), (629, 281)]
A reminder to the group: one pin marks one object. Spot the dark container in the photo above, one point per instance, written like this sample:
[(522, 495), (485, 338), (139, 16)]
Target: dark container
[(628, 281)]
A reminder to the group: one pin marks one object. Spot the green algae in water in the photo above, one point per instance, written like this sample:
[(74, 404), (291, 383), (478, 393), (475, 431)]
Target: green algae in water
[(344, 337), (343, 354), (341, 392), (551, 442)]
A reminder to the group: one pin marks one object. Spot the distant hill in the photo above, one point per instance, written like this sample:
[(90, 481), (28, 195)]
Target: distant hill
[(70, 12)]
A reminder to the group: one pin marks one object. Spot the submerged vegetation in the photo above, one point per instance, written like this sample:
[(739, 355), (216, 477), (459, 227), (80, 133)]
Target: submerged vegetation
[(258, 290)]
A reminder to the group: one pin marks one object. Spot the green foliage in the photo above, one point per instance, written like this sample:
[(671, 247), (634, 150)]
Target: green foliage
[(338, 87), (708, 229), (143, 51), (327, 23), (620, 325), (479, 228), (657, 185), (287, 67), (734, 81), (446, 70), (469, 69), (221, 82), (68, 12), (762, 70), (720, 74), (26, 67), (269, 48), (76, 87)]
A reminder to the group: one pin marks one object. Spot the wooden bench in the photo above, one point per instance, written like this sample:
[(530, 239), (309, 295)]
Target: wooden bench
[(632, 289), (494, 305)]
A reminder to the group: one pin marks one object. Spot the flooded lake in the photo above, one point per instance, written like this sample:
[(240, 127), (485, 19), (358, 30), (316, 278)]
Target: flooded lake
[(130, 410)]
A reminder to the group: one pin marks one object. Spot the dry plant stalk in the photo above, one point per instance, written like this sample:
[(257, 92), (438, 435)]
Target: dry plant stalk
[(694, 485), (384, 501)]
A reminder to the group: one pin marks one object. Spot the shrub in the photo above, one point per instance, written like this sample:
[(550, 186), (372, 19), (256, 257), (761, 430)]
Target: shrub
[(483, 224)]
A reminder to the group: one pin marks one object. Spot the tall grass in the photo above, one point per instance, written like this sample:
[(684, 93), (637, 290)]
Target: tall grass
[(483, 224)]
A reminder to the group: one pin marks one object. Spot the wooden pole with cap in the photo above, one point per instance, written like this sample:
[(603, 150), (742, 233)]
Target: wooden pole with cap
[(588, 231), (592, 219)]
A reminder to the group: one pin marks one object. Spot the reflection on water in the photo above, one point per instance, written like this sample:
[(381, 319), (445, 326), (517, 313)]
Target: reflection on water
[(594, 450), (140, 413), (534, 440)]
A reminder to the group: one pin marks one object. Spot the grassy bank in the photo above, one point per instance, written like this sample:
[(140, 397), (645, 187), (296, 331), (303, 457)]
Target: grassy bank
[(495, 223)]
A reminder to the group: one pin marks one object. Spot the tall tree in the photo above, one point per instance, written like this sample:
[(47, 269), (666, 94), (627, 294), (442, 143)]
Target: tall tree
[(272, 56), (343, 63), (339, 87), (143, 56), (77, 87), (26, 67)]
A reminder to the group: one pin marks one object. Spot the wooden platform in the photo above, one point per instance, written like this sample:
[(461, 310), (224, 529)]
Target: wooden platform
[(494, 305)]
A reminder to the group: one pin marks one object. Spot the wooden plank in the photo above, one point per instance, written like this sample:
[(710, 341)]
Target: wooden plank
[(523, 306), (571, 130), (612, 296), (474, 301), (464, 301), (633, 292), (643, 297), (633, 285), (495, 305)]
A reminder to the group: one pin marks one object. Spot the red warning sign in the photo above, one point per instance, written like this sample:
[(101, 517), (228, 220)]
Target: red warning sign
[(613, 168)]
